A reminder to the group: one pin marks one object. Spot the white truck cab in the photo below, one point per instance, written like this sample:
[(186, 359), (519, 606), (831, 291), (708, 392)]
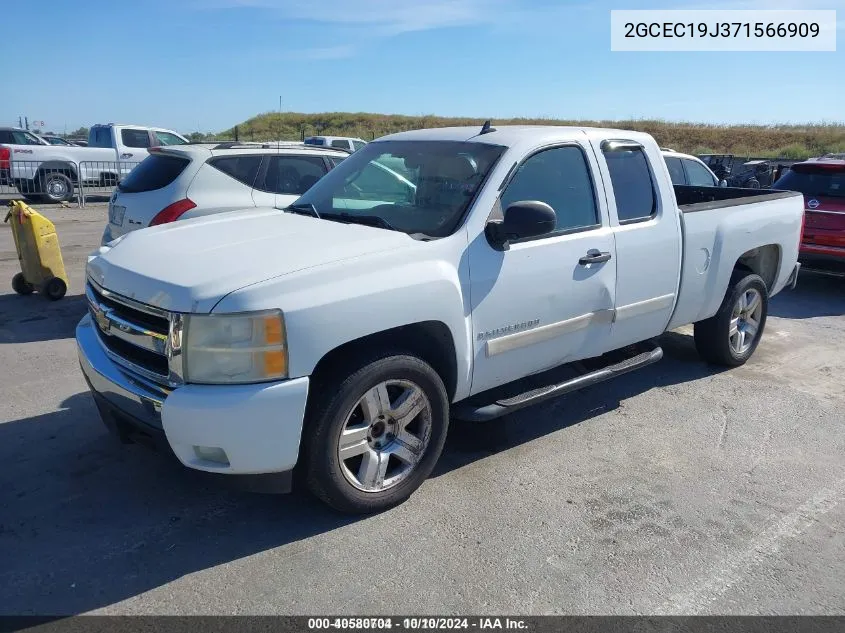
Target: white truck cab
[(339, 335)]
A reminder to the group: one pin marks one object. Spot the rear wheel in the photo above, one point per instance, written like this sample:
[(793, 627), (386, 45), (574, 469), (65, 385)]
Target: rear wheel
[(376, 434), (733, 333), (21, 285), (56, 186)]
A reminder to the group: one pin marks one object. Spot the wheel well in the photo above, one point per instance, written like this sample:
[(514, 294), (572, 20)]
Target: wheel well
[(763, 261), (429, 340), (62, 168)]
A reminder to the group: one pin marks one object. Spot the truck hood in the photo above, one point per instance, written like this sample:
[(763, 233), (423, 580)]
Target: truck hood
[(188, 266)]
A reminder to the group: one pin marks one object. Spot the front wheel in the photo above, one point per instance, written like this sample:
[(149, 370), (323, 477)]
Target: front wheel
[(54, 289), (733, 333), (21, 285), (376, 434)]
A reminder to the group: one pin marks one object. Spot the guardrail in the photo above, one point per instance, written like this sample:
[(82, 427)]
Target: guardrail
[(61, 181)]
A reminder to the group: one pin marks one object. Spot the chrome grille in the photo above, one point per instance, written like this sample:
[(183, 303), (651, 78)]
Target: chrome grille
[(134, 334)]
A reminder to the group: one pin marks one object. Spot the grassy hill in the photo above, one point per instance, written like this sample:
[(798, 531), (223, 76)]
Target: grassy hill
[(783, 141)]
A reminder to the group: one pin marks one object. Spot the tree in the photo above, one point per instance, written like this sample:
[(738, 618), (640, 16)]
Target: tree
[(196, 137), (81, 132)]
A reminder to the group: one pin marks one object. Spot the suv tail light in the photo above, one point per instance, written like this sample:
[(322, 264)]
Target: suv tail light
[(5, 158), (173, 211), (803, 220)]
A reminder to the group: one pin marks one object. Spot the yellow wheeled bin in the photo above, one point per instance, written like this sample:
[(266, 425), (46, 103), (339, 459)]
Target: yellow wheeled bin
[(42, 267)]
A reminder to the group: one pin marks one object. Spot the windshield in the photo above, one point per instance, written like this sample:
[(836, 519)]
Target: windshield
[(411, 186), (813, 182)]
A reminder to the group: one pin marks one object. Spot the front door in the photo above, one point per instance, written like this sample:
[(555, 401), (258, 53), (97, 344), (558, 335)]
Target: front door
[(543, 303), (285, 178)]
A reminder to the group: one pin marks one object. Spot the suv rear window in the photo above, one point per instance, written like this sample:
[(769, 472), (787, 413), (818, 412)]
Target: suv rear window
[(154, 172), (814, 181)]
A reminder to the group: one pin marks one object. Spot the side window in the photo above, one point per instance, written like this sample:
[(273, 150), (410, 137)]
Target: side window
[(166, 138), (6, 136), (135, 138), (244, 169), (560, 177), (292, 175), (633, 188), (341, 143), (676, 170), (356, 145), (24, 138), (698, 175), (335, 160)]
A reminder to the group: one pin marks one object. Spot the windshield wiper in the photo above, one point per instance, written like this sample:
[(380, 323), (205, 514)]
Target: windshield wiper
[(368, 220), (305, 208)]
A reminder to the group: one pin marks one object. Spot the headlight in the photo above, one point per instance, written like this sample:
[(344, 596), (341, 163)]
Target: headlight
[(235, 348)]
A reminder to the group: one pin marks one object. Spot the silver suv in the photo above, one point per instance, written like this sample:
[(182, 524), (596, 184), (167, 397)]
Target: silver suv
[(178, 182)]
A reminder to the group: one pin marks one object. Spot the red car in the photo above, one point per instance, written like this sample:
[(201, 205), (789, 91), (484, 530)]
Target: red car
[(822, 181)]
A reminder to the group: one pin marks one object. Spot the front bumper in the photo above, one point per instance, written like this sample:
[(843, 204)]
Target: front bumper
[(258, 426)]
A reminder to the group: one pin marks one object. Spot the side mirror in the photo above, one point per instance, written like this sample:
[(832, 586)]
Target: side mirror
[(526, 218), (723, 183)]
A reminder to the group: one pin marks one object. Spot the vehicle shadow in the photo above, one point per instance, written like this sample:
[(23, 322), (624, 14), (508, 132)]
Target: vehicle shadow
[(465, 444), (31, 318), (87, 522), (816, 295)]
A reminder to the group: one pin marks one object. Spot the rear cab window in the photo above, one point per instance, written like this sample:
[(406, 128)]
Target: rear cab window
[(100, 137), (156, 171), (631, 180), (341, 143)]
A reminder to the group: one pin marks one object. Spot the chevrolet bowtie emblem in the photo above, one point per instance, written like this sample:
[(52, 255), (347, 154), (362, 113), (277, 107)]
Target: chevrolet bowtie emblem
[(102, 319)]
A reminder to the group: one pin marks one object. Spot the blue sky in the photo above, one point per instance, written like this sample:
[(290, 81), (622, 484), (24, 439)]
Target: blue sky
[(208, 64)]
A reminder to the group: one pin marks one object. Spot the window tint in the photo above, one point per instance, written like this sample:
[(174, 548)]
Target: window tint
[(559, 177), (813, 182), (336, 160), (632, 185), (154, 172), (99, 137), (166, 138), (341, 143), (20, 137), (135, 138), (676, 170), (244, 169), (292, 175), (698, 175), (356, 145), (6, 136)]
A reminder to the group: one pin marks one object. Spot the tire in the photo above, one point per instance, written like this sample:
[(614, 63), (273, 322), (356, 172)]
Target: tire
[(21, 285), (713, 338), (387, 458), (55, 186), (753, 184), (54, 289)]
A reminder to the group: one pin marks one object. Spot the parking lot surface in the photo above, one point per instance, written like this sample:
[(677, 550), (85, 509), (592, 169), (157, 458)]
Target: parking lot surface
[(677, 489)]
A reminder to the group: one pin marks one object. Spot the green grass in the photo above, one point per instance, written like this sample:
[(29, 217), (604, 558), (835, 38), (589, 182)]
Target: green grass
[(782, 141)]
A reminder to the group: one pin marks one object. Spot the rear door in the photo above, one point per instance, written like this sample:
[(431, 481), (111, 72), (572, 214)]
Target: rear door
[(646, 225), (285, 177)]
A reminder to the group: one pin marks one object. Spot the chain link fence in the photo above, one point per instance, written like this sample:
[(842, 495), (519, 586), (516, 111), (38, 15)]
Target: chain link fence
[(61, 182)]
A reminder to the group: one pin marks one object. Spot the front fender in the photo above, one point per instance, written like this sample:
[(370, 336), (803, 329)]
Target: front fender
[(335, 304)]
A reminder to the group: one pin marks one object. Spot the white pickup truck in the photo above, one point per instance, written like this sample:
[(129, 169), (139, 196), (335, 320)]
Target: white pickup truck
[(339, 335), (50, 172)]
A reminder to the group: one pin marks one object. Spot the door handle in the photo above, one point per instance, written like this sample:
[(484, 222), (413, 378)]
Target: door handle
[(126, 155), (594, 256)]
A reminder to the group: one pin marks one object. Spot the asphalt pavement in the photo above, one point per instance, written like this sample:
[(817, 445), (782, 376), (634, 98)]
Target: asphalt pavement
[(680, 488)]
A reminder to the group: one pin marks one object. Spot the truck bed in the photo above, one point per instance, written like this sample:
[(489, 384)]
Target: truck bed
[(719, 224), (692, 198)]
